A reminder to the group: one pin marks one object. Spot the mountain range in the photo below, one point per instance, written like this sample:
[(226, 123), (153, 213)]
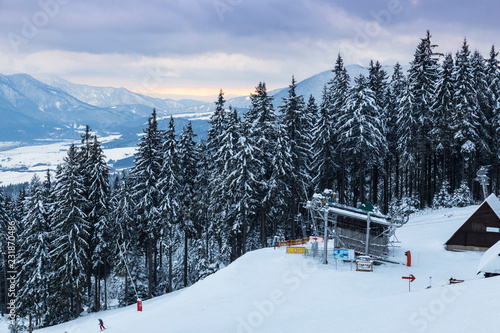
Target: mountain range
[(45, 107)]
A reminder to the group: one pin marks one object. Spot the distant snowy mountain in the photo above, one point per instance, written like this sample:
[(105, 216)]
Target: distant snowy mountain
[(32, 109), (112, 97)]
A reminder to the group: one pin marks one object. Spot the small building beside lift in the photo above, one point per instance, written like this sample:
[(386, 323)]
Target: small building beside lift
[(480, 231)]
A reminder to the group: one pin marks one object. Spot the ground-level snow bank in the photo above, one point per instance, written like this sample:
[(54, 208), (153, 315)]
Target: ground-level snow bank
[(271, 291)]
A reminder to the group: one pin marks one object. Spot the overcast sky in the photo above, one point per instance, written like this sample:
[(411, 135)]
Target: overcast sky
[(192, 48)]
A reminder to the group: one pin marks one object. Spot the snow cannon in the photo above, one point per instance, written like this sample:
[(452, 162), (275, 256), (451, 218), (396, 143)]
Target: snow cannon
[(408, 258)]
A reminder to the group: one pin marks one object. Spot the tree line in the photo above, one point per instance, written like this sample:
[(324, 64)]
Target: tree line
[(187, 208)]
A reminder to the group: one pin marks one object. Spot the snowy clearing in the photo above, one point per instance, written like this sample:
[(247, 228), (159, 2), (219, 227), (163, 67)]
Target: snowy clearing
[(18, 165), (270, 291)]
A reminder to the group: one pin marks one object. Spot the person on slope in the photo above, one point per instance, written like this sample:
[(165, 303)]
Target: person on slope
[(101, 324)]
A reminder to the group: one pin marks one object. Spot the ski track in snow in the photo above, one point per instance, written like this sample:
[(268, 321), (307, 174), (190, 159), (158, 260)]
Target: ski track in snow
[(270, 291)]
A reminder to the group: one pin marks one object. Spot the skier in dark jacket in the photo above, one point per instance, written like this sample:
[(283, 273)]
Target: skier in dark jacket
[(101, 324)]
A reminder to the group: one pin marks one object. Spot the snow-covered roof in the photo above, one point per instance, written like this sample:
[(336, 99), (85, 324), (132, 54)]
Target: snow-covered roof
[(490, 262), (494, 203), (360, 216)]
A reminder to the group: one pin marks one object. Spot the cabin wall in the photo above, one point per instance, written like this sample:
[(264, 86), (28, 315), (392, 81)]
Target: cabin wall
[(472, 235)]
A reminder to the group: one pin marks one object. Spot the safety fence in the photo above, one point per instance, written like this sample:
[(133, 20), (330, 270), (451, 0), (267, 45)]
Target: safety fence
[(302, 241)]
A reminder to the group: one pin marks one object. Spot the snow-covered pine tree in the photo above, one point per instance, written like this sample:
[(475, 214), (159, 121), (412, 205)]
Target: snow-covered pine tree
[(204, 235), (222, 204), (294, 121), (99, 193), (493, 81), (217, 125), (377, 82), (442, 110), (486, 111), (261, 120), (4, 222), (170, 189), (311, 115), (468, 121), (324, 158), (362, 135), (443, 198), (85, 168), (280, 190), (33, 256), (187, 161), (128, 255), (462, 196), (395, 91), (415, 120), (146, 175), (241, 186), (338, 90), (70, 229)]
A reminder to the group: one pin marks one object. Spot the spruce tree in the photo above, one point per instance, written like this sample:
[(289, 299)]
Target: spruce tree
[(295, 123), (442, 111), (468, 120), (99, 199), (415, 120), (395, 91), (33, 255), (362, 135), (338, 90), (170, 187), (261, 120), (324, 155), (70, 229), (377, 82), (493, 82), (187, 161), (146, 175)]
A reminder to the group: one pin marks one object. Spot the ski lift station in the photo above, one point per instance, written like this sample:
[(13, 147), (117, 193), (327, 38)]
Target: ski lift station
[(361, 229)]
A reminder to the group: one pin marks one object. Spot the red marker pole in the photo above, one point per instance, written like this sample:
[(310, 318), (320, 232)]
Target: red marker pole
[(410, 279), (139, 305)]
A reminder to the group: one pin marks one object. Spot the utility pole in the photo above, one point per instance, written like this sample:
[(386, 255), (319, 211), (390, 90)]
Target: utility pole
[(483, 179), (367, 247), (325, 239)]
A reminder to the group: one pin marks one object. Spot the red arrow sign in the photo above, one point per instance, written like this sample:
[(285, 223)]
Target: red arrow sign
[(411, 278)]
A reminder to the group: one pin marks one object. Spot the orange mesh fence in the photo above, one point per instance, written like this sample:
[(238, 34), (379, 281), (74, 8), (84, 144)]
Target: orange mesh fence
[(302, 241)]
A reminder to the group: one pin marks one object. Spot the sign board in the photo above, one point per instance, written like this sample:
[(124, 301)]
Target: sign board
[(295, 249), (490, 229), (344, 254)]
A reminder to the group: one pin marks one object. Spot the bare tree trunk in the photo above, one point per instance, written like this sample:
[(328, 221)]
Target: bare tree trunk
[(170, 275), (150, 267), (126, 290), (185, 261)]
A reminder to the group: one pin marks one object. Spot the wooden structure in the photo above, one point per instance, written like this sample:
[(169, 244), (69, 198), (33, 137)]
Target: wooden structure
[(480, 231)]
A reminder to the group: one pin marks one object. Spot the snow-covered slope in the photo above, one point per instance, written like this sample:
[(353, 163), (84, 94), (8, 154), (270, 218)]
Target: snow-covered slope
[(271, 291)]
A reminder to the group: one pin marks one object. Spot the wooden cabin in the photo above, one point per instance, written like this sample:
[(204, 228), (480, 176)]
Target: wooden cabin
[(480, 231)]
